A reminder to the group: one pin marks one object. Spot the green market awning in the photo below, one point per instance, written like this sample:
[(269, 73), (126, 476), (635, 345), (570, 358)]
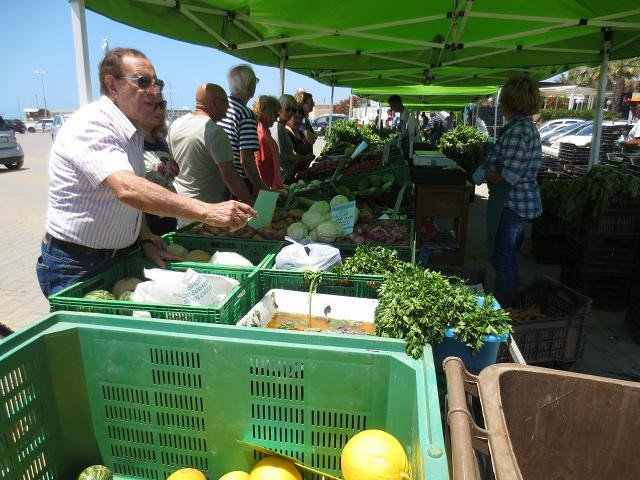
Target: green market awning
[(427, 107), (425, 94), (339, 36), (449, 76)]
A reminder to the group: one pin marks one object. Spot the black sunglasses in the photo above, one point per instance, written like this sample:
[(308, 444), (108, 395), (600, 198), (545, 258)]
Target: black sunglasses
[(145, 81)]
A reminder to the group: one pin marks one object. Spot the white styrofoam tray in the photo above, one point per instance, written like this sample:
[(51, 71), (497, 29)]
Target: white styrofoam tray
[(432, 160), (289, 301)]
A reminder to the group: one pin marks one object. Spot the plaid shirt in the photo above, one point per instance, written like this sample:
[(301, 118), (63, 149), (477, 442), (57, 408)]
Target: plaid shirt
[(516, 156)]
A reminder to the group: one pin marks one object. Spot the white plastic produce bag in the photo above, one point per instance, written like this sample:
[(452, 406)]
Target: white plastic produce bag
[(183, 288), (313, 256), (230, 258)]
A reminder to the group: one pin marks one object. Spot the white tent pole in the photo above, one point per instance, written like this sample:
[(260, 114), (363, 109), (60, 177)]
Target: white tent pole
[(350, 103), (594, 151), (495, 114), (331, 110), (83, 72), (282, 72)]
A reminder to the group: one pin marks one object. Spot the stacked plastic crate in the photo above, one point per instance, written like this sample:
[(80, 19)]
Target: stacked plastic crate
[(601, 258)]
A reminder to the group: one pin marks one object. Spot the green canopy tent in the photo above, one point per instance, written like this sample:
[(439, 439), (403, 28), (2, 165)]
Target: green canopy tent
[(361, 36), (428, 93)]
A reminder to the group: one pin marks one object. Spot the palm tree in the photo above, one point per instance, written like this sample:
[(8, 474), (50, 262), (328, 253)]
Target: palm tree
[(621, 73)]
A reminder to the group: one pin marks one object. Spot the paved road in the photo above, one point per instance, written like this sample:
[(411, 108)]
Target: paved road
[(23, 195)]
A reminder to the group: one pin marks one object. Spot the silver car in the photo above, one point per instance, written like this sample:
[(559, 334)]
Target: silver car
[(11, 154)]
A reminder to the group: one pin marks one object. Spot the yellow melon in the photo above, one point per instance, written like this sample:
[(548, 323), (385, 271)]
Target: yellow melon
[(374, 455), (187, 474), (199, 256), (275, 468), (236, 476)]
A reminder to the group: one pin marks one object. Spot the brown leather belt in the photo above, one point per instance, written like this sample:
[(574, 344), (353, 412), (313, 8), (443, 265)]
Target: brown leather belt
[(75, 249)]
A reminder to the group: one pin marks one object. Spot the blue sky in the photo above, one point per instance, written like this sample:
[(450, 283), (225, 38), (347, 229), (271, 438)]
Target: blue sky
[(38, 37)]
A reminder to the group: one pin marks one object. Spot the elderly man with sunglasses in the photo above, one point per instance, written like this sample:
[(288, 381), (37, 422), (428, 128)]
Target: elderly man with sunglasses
[(97, 186)]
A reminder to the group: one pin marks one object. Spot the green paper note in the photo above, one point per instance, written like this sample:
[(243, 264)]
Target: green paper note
[(265, 206)]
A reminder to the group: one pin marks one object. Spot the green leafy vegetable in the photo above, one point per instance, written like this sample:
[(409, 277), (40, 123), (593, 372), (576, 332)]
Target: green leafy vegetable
[(371, 260), (417, 305), (352, 132), (597, 190), (465, 146)]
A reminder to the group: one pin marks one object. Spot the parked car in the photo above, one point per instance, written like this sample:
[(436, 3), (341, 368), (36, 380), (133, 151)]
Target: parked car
[(58, 121), (11, 154), (548, 137), (555, 123), (16, 125), (321, 123), (580, 138)]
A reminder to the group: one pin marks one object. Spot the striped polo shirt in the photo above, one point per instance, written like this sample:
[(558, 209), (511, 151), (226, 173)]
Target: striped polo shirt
[(241, 126), (95, 142)]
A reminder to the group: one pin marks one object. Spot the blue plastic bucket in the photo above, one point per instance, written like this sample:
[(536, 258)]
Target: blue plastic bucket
[(473, 362)]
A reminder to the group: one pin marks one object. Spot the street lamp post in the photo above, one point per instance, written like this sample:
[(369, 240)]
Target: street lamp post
[(42, 73)]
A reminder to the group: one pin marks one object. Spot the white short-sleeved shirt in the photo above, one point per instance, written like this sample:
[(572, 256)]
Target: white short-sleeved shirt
[(634, 134), (95, 142)]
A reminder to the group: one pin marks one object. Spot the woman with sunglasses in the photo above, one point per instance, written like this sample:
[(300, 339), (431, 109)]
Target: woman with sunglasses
[(160, 166), (300, 145), (306, 104), (289, 158)]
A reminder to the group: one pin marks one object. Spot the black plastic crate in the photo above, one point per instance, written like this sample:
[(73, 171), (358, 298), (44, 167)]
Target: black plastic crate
[(632, 317), (599, 259), (559, 337), (547, 239), (608, 290)]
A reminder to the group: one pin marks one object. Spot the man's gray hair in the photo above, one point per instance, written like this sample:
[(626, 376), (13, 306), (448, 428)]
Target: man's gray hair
[(287, 100), (240, 78)]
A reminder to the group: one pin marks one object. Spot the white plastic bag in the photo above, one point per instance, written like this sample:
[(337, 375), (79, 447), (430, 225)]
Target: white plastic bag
[(230, 258), (314, 256), (183, 288)]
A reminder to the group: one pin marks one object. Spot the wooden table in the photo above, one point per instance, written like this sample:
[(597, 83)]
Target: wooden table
[(451, 201)]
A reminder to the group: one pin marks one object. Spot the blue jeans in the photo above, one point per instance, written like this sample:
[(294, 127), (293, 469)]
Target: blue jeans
[(507, 243), (57, 269)]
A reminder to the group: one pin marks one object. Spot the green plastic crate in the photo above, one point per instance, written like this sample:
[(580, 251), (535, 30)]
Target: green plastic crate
[(239, 302), (147, 397), (257, 252), (360, 286)]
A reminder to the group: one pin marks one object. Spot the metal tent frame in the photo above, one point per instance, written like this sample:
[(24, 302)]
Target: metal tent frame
[(357, 47)]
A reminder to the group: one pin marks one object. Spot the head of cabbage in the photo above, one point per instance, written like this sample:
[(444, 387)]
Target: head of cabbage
[(297, 231), (327, 232), (322, 207), (338, 200), (313, 219)]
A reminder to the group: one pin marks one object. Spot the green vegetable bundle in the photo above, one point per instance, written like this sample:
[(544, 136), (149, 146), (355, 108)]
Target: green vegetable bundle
[(465, 146), (552, 194), (371, 260), (417, 305), (351, 132), (601, 187)]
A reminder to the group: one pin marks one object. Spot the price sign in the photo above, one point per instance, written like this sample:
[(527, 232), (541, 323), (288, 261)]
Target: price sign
[(345, 216)]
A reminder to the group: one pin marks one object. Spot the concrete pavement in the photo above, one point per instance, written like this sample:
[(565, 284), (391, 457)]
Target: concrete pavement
[(23, 195)]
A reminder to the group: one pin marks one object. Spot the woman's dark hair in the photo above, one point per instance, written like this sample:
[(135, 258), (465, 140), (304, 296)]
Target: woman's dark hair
[(111, 64)]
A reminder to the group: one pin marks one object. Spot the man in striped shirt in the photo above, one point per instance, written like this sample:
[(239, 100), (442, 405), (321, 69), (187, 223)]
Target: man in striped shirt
[(241, 125), (97, 185)]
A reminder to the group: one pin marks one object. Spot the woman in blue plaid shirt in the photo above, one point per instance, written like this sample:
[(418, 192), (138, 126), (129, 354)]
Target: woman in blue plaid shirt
[(511, 170)]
